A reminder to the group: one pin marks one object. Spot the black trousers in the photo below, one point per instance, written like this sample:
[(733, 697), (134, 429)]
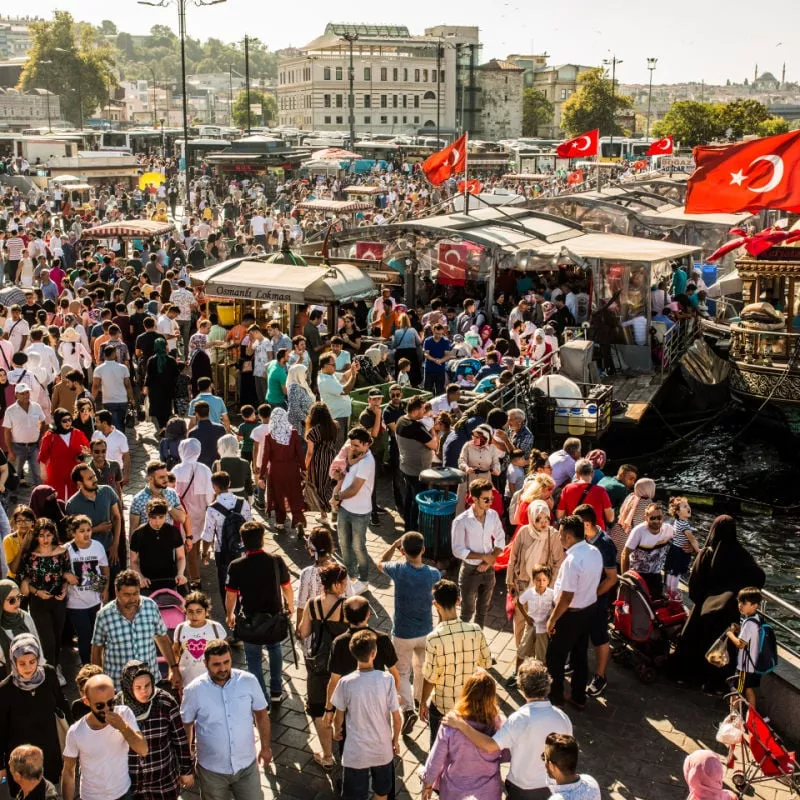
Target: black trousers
[(571, 639), (410, 510)]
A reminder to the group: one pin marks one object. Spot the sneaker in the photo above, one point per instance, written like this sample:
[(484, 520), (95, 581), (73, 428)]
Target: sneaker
[(568, 670), (374, 521), (410, 718), (62, 681), (301, 533), (511, 681), (360, 587), (597, 686), (277, 699)]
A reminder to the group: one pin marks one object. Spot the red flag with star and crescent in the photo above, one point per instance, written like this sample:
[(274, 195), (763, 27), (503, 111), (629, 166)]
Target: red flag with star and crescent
[(587, 144), (447, 162), (751, 176), (661, 147)]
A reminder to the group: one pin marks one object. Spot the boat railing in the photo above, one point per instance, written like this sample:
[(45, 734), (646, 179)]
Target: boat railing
[(785, 618), (763, 347), (677, 340)]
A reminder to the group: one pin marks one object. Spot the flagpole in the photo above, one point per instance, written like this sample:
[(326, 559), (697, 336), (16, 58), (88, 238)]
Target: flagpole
[(466, 172)]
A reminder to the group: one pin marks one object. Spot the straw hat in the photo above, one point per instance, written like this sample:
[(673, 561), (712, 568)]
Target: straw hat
[(70, 335)]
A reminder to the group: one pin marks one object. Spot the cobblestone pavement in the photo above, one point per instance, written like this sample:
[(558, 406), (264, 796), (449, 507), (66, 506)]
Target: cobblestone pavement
[(633, 739)]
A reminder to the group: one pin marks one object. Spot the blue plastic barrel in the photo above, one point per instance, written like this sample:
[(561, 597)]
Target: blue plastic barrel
[(437, 509)]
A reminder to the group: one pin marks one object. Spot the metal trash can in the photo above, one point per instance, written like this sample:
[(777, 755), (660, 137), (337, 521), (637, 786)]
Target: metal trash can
[(437, 510)]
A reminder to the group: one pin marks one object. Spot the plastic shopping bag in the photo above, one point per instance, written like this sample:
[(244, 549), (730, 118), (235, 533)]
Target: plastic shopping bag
[(731, 730), (717, 654)]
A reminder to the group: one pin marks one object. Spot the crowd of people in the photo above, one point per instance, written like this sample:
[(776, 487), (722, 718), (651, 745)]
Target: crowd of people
[(95, 343)]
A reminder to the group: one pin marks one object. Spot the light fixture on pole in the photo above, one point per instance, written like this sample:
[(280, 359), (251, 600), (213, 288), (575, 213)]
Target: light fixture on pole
[(613, 61), (47, 97), (651, 65), (351, 98), (182, 33)]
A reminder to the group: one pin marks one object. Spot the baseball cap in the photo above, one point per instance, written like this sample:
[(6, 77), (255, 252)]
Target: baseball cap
[(20, 388)]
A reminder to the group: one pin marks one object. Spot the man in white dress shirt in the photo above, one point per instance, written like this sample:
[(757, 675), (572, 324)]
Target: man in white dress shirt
[(477, 538)]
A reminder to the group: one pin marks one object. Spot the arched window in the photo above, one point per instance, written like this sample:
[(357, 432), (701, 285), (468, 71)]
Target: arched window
[(429, 123), (429, 96)]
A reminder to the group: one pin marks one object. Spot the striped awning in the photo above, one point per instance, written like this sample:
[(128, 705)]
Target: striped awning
[(336, 206), (129, 229)]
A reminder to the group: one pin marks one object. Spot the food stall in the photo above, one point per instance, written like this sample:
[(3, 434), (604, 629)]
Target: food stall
[(345, 210), (133, 232)]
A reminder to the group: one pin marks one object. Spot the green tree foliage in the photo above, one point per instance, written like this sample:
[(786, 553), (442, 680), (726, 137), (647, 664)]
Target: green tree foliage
[(772, 126), (269, 109), (594, 105), (71, 60), (741, 117), (537, 111)]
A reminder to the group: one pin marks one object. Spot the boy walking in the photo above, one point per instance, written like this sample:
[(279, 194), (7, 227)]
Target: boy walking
[(369, 699), (748, 641)]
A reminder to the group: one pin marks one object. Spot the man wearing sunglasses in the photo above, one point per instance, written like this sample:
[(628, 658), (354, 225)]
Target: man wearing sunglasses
[(645, 550)]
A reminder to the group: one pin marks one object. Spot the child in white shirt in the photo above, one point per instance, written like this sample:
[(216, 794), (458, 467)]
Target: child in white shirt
[(535, 605)]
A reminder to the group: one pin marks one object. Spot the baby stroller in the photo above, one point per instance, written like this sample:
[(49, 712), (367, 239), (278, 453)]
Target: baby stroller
[(644, 629), (170, 606), (764, 757)]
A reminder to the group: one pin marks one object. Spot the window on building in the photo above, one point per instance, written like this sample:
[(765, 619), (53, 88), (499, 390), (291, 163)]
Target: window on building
[(563, 94), (326, 100), (405, 74), (405, 120), (429, 96), (441, 76), (327, 120), (384, 101), (416, 120), (394, 74), (384, 120), (405, 101), (367, 101), (384, 74), (394, 120), (326, 74), (416, 101), (416, 76), (424, 76), (339, 120), (394, 101), (339, 101), (338, 73), (367, 73), (367, 120)]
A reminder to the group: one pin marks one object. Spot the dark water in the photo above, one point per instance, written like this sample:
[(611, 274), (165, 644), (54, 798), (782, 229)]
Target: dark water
[(761, 465)]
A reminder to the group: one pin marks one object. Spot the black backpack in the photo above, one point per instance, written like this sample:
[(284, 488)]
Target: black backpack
[(321, 640), (230, 537)]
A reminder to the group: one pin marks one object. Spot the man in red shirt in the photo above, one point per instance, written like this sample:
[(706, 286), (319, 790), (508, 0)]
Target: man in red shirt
[(582, 491)]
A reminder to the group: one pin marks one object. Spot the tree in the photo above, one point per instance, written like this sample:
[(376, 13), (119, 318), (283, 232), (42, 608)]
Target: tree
[(269, 109), (742, 117), (537, 111), (773, 126), (70, 60), (690, 122), (108, 28), (594, 105)]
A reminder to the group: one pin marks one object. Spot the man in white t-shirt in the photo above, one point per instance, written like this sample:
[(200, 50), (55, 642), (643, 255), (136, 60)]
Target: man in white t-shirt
[(100, 741), (258, 228), (117, 448), (115, 381), (355, 506), (16, 330)]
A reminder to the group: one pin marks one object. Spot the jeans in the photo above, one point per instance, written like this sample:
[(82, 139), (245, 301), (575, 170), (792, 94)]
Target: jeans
[(82, 620), (28, 453), (435, 718), (571, 639), (243, 785), (261, 388), (410, 511), (185, 326), (352, 530), (410, 658), (252, 654), (476, 592), (343, 424), (118, 411), (49, 616), (435, 382)]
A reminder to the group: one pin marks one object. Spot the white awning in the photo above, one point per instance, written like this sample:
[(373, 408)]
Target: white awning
[(615, 247)]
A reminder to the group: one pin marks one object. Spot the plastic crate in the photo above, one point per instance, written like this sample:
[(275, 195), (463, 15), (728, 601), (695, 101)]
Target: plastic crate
[(437, 509)]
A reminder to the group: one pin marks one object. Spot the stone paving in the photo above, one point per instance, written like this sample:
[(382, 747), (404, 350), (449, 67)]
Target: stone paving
[(633, 739)]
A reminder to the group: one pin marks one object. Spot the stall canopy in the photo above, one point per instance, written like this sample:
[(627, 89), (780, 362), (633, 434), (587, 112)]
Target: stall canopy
[(336, 206), (247, 279), (129, 229)]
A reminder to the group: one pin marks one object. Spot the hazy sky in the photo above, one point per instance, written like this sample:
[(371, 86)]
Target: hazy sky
[(692, 39)]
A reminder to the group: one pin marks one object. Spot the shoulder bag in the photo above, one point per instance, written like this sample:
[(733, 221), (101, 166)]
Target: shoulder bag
[(262, 627)]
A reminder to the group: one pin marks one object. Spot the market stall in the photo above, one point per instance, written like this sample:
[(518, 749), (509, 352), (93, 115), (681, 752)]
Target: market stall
[(133, 232)]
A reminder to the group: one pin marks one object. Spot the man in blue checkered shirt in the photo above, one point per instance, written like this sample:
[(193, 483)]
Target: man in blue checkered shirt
[(130, 628)]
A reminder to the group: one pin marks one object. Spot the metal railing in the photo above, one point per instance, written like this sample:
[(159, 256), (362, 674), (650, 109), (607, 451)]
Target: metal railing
[(762, 347), (788, 636), (677, 340)]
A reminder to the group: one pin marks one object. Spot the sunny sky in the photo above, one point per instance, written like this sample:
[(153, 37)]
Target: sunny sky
[(692, 39)]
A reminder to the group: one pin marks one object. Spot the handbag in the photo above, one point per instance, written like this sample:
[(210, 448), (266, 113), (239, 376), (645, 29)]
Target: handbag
[(62, 726), (717, 654), (264, 627)]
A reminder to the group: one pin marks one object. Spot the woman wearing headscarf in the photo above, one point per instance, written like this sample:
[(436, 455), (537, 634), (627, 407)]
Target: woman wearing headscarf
[(61, 449), (231, 461), (30, 698), (200, 367), (194, 489), (13, 620), (631, 512), (598, 461), (282, 469), (160, 378), (299, 397), (167, 767), (378, 355), (704, 775), (45, 502), (722, 568)]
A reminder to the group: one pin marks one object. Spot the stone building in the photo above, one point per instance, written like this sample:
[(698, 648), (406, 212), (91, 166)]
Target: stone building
[(500, 86)]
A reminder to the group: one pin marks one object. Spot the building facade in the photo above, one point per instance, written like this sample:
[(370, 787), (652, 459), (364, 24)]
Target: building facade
[(19, 110), (402, 84), (15, 38), (500, 85)]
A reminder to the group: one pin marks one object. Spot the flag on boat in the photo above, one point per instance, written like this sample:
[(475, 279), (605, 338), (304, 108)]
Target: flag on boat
[(662, 147), (472, 186), (587, 144), (447, 162), (751, 176)]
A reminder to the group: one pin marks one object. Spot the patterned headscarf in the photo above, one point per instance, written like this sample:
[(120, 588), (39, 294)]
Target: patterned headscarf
[(25, 644), (280, 428), (130, 672), (298, 373)]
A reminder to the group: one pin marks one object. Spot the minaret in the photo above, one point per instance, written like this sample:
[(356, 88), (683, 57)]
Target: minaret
[(783, 76)]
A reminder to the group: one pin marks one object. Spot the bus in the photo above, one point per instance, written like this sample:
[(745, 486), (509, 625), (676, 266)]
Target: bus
[(149, 141), (623, 148), (199, 148)]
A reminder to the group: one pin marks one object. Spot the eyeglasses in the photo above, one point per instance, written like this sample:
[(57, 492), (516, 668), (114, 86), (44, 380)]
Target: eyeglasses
[(109, 704), (99, 449), (13, 599), (656, 517), (485, 499)]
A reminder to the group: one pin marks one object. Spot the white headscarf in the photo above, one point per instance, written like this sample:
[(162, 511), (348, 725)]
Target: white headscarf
[(298, 374), (228, 446), (537, 509), (191, 471), (279, 427)]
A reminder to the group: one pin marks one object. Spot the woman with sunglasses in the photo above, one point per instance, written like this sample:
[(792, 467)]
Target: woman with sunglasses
[(45, 572), (84, 417), (13, 621), (30, 699), (62, 448)]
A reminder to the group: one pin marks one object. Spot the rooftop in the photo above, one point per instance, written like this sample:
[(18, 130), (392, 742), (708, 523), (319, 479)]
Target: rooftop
[(500, 65), (361, 29)]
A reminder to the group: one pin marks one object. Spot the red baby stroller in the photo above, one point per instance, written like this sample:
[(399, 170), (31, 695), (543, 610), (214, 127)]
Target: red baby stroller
[(644, 629), (170, 606)]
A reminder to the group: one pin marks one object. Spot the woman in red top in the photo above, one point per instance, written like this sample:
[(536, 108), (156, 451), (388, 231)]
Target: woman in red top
[(61, 449)]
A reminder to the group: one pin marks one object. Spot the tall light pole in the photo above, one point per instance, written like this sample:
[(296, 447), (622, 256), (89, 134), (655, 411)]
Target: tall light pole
[(230, 95), (613, 61), (351, 98), (182, 33), (247, 78), (155, 106), (651, 65), (47, 97)]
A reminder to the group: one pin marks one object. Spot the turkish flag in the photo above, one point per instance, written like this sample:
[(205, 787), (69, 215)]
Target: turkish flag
[(751, 176), (472, 186), (450, 161), (370, 251), (663, 147), (587, 144), (575, 177), (452, 264)]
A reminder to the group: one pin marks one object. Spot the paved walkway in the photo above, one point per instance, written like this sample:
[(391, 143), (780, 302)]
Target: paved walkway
[(633, 739)]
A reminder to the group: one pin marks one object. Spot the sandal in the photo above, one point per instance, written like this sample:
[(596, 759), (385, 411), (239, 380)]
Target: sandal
[(326, 764)]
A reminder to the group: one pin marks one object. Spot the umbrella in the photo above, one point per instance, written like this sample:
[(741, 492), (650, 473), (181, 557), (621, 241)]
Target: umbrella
[(151, 178)]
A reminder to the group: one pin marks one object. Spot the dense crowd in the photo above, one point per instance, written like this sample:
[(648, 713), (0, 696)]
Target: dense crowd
[(96, 341)]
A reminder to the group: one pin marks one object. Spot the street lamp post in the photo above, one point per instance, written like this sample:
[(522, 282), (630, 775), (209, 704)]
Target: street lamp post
[(230, 95), (47, 97), (613, 61), (182, 33), (247, 78), (351, 98), (651, 65), (155, 106)]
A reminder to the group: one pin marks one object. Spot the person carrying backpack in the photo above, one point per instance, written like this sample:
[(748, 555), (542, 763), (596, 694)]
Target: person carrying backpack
[(755, 638), (222, 526)]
